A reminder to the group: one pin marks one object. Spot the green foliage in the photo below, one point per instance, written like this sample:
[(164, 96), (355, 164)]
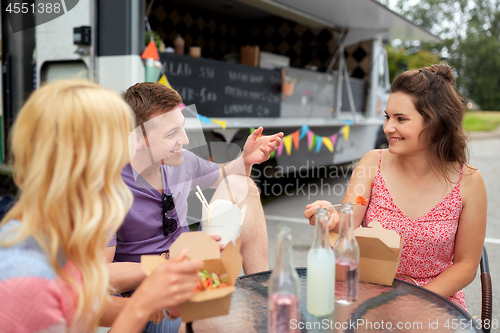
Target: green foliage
[(470, 30), (156, 37), (481, 121), (401, 59)]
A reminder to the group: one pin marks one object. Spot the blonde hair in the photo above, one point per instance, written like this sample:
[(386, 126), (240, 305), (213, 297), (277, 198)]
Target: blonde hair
[(69, 145)]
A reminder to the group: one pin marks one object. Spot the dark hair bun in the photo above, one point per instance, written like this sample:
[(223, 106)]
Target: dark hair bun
[(444, 71)]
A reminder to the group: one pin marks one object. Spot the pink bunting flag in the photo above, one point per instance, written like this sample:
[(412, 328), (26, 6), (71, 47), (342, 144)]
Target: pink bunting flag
[(334, 139), (279, 150), (310, 137)]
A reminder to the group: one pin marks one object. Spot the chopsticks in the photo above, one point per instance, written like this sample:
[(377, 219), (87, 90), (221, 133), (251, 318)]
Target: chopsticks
[(204, 202), (338, 205), (359, 201)]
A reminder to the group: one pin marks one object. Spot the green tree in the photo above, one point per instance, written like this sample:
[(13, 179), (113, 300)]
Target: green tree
[(470, 30), (401, 59), (480, 58)]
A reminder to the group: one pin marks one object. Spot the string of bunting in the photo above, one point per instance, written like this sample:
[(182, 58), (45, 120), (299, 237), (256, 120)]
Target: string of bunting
[(314, 141)]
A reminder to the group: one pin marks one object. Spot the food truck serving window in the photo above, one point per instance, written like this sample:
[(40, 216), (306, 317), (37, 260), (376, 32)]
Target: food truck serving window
[(59, 70)]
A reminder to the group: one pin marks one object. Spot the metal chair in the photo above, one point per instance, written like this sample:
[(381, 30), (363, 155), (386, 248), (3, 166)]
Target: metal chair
[(486, 291)]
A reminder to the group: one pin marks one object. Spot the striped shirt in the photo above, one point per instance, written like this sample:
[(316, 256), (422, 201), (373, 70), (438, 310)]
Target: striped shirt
[(33, 298)]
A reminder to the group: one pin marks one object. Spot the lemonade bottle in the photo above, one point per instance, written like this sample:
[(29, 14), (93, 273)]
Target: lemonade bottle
[(321, 269)]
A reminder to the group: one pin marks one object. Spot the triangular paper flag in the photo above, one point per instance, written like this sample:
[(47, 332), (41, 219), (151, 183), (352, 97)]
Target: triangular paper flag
[(204, 119), (319, 143), (272, 154), (287, 141), (279, 150), (313, 143), (348, 122), (252, 130), (303, 131), (334, 139), (328, 143), (345, 130), (221, 123), (295, 137), (310, 139), (163, 80), (151, 52)]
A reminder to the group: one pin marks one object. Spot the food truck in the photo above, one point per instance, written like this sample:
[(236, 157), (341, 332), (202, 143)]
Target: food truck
[(316, 70)]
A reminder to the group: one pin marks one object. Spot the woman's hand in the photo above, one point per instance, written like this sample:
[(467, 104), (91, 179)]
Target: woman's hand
[(170, 284), (333, 215)]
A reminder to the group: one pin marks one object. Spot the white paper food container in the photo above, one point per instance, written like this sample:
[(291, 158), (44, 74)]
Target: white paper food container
[(226, 220)]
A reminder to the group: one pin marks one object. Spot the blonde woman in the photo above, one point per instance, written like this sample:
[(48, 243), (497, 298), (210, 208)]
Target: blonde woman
[(69, 145)]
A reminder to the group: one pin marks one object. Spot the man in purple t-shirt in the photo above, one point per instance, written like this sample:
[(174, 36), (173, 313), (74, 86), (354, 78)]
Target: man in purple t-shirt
[(161, 170)]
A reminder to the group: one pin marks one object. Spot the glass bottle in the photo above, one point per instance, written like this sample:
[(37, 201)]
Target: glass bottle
[(347, 259), (321, 269), (284, 287)]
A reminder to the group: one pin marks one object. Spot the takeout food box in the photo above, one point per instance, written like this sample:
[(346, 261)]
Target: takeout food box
[(224, 219), (379, 253), (207, 303)]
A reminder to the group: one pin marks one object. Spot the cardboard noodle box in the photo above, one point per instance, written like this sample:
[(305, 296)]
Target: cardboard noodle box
[(208, 303), (379, 253), (226, 220)]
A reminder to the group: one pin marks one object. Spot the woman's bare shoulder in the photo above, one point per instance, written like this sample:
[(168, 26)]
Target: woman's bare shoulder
[(472, 183), (368, 165), (471, 174), (371, 157)]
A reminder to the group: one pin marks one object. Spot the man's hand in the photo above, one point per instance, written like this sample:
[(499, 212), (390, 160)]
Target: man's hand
[(217, 238), (258, 147)]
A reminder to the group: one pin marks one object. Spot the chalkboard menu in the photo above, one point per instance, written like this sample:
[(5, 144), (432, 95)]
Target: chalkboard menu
[(221, 89)]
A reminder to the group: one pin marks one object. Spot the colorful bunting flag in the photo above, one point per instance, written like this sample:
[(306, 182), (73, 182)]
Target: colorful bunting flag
[(252, 130), (287, 142), (204, 119), (345, 131), (328, 143), (303, 131), (279, 150), (334, 139), (272, 154), (221, 123), (313, 143), (151, 52), (319, 143), (163, 80), (310, 139), (295, 137)]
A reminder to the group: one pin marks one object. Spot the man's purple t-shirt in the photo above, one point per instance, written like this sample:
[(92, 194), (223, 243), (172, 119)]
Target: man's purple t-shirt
[(141, 232)]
